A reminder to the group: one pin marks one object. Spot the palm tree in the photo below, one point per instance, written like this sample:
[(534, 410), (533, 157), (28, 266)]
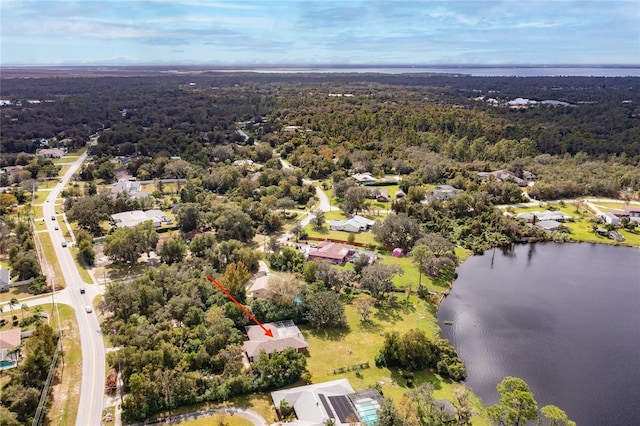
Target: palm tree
[(23, 308), (12, 302)]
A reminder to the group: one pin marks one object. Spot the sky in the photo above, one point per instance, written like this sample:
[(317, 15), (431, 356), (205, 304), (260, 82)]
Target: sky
[(315, 32)]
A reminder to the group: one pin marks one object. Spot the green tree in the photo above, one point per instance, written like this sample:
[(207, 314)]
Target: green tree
[(173, 250), (234, 279), (125, 245), (556, 416), (189, 217), (355, 200), (517, 404), (378, 278), (388, 415), (398, 230), (363, 305), (420, 256), (324, 309)]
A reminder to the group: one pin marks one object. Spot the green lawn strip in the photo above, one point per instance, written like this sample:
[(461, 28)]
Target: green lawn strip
[(40, 196), (20, 292), (65, 160), (39, 225), (168, 188), (47, 248), (63, 170), (219, 419), (82, 269), (65, 395), (38, 212), (77, 152)]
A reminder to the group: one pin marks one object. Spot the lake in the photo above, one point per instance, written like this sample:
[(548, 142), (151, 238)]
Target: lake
[(563, 317)]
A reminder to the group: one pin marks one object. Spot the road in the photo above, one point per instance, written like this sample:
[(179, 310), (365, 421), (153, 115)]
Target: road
[(93, 353)]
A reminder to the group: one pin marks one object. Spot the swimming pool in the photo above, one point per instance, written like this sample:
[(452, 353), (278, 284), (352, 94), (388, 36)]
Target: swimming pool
[(367, 411)]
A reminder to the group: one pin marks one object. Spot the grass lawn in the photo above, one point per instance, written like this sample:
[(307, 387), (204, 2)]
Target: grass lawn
[(220, 419), (19, 292), (360, 342), (63, 170), (38, 211), (362, 237), (40, 196), (82, 269), (65, 395), (39, 225), (55, 273), (77, 152), (66, 159)]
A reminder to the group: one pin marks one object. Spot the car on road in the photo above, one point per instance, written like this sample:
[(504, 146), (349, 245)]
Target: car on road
[(53, 218), (56, 228), (82, 291), (64, 244), (88, 308)]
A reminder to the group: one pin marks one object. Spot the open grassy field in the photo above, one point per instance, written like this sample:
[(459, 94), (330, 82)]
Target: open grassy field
[(65, 395), (362, 237), (359, 343)]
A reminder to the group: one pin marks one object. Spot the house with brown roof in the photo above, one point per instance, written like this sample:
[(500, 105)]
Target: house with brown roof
[(285, 335), (337, 253)]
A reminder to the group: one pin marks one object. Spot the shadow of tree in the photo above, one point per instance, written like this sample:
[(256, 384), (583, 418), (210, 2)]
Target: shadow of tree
[(412, 379), (333, 334), (393, 312), (370, 327)]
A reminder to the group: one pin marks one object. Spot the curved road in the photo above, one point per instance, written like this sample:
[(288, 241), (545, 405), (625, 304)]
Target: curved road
[(93, 353)]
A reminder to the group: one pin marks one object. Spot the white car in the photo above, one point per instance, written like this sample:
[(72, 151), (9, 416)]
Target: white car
[(88, 308)]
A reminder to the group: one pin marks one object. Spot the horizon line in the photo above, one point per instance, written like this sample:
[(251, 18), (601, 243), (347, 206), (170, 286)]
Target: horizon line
[(325, 65)]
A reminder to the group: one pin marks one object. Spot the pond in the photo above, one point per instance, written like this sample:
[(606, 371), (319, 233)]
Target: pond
[(563, 317)]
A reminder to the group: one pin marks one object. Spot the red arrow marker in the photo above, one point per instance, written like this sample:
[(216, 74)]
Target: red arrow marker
[(267, 331)]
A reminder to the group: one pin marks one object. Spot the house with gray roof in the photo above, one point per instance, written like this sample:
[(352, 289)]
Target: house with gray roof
[(314, 405), (548, 225), (5, 279), (353, 224), (441, 193), (608, 217), (364, 178), (507, 176), (285, 334), (136, 217)]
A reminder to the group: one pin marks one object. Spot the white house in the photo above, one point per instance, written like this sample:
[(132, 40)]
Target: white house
[(610, 218), (354, 224), (364, 178)]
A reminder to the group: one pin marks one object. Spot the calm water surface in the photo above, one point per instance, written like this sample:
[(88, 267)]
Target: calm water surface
[(563, 317)]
